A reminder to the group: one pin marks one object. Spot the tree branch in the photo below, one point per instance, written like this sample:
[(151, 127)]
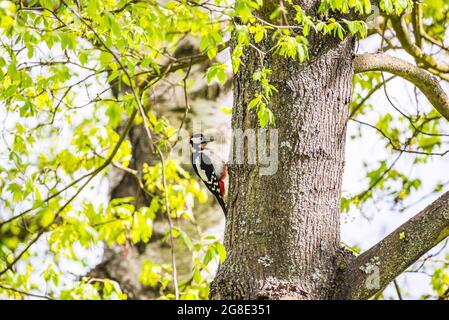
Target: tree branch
[(400, 27), (417, 22), (424, 81), (376, 268)]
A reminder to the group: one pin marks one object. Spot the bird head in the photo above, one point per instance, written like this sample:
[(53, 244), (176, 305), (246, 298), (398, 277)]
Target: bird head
[(198, 140)]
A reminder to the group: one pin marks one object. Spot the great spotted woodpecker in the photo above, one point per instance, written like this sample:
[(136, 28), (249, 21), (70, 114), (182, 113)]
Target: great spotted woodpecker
[(211, 169)]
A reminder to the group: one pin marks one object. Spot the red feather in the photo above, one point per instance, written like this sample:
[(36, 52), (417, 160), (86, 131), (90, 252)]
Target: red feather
[(221, 185)]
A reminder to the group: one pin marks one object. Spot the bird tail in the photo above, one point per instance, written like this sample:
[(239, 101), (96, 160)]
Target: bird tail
[(223, 206)]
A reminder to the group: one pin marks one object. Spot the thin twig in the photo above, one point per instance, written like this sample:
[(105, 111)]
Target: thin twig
[(369, 94), (92, 175), (89, 174), (35, 295), (398, 289), (187, 105), (170, 222), (150, 138)]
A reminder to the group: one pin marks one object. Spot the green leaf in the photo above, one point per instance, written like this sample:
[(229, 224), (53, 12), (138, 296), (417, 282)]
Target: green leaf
[(217, 71), (221, 250), (47, 218)]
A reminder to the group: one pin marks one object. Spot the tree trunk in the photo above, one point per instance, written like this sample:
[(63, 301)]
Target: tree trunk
[(283, 232)]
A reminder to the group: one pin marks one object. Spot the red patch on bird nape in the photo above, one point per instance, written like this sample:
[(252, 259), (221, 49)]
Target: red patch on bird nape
[(221, 185)]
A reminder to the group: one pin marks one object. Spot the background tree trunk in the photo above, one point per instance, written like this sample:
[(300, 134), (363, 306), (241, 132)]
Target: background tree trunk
[(123, 264), (283, 232)]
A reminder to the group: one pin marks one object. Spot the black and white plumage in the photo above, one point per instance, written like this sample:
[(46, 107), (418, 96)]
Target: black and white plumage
[(209, 168)]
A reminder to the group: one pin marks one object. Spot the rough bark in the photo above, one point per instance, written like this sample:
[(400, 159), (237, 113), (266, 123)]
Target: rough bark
[(283, 243)]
